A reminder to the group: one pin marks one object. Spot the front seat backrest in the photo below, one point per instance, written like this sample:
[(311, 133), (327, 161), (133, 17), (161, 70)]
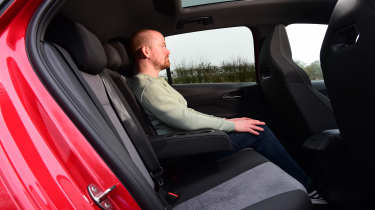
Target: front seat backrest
[(348, 63), (300, 110)]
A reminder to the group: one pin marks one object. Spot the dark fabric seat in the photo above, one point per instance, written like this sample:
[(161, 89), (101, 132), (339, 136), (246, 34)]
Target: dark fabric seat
[(243, 180), (299, 110), (347, 63)]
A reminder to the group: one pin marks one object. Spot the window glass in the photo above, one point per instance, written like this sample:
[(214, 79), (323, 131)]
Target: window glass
[(212, 56), (190, 3), (305, 42)]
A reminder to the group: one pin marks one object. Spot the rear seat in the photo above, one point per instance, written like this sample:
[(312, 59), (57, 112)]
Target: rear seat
[(245, 180)]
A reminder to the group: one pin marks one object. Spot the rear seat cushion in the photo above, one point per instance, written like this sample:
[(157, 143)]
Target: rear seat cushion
[(244, 178), (292, 200), (252, 186)]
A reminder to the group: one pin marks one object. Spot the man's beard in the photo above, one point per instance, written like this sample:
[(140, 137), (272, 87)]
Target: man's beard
[(166, 64)]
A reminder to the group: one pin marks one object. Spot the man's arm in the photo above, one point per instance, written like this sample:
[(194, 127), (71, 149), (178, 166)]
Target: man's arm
[(157, 100), (166, 107)]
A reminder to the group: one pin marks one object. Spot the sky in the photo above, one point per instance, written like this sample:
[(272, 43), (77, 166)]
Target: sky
[(216, 46)]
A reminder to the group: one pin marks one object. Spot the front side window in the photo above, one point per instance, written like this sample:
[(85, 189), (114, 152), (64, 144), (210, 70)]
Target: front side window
[(212, 56), (305, 42)]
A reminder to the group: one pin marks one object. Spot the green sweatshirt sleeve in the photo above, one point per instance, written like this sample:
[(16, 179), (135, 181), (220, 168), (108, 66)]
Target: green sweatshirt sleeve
[(165, 106)]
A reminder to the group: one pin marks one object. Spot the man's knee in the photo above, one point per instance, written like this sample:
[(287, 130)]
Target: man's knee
[(267, 134), (266, 130)]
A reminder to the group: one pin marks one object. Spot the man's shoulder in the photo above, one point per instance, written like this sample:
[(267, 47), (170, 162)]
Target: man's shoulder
[(140, 81), (143, 86)]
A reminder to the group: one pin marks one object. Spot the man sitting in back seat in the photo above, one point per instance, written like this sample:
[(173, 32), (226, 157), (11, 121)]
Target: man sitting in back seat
[(169, 113)]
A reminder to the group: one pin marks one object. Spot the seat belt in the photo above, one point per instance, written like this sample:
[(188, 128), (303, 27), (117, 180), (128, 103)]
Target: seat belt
[(142, 145), (169, 75)]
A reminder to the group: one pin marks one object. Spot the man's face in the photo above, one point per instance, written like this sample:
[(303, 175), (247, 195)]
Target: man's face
[(159, 52)]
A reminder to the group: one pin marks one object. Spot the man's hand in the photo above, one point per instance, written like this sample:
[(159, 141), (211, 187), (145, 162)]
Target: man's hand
[(245, 124)]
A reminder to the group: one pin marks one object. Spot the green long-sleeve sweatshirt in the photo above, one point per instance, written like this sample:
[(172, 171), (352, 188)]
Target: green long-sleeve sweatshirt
[(167, 108)]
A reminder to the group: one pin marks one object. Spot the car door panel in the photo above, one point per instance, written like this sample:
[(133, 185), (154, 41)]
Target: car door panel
[(224, 99)]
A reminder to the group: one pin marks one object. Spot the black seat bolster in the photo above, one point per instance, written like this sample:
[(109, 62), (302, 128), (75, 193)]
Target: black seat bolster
[(190, 143), (323, 141)]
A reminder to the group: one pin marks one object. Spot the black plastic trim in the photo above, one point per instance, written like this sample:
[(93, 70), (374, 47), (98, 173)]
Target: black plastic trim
[(4, 5)]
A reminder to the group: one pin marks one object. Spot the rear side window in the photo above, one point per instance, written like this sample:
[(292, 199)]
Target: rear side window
[(305, 42), (212, 56)]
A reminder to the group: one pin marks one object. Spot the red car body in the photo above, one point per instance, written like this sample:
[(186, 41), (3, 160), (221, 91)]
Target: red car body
[(46, 163)]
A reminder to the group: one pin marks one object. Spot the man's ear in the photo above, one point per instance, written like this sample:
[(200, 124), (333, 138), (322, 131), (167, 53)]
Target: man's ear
[(145, 51)]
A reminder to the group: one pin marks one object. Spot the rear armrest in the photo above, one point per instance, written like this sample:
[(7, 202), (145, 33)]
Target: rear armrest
[(323, 141), (191, 143)]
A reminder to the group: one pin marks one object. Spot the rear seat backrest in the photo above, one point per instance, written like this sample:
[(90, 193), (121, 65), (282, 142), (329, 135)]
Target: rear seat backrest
[(91, 60)]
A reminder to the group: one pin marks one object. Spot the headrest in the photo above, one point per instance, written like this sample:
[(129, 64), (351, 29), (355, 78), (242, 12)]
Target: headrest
[(84, 47), (123, 53), (276, 52), (114, 59)]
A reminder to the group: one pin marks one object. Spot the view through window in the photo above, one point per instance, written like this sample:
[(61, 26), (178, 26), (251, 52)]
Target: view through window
[(212, 56), (305, 42)]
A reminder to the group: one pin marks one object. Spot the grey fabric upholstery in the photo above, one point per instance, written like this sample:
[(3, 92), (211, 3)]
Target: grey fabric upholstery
[(259, 183), (292, 200), (297, 106), (95, 82), (201, 175)]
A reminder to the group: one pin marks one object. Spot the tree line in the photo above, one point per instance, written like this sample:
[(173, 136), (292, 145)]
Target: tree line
[(237, 70)]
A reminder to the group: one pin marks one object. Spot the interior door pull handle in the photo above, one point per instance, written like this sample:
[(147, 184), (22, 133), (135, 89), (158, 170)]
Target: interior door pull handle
[(228, 97)]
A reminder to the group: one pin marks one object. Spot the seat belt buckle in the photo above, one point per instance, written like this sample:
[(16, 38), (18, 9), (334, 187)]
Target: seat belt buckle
[(157, 176)]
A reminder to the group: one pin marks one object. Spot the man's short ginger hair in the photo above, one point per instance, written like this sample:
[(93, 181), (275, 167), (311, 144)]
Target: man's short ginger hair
[(139, 39)]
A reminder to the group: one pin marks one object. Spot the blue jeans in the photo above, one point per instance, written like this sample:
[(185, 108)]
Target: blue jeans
[(269, 146)]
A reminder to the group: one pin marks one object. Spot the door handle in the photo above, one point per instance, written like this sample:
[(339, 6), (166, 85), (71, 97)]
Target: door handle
[(231, 98)]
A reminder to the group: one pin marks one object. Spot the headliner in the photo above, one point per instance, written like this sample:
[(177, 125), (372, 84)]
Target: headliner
[(119, 18)]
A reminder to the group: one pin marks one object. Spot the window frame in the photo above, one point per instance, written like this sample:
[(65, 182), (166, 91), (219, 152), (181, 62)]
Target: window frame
[(4, 5)]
